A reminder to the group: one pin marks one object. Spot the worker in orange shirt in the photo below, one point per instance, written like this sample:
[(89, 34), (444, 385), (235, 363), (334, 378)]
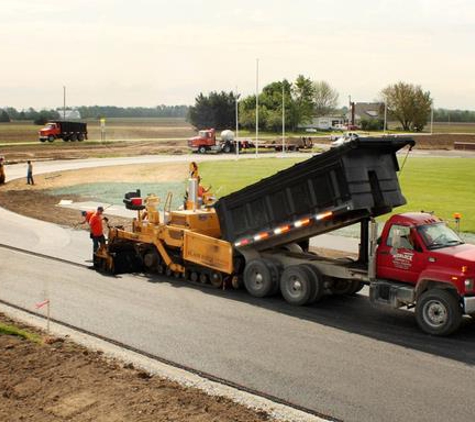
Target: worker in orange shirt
[(97, 233), (87, 216)]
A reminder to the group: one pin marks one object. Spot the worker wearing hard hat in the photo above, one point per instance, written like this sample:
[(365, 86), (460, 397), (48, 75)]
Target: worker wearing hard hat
[(97, 233)]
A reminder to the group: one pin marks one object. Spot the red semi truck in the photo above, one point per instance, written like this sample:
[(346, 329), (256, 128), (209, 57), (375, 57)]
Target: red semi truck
[(207, 141), (67, 131)]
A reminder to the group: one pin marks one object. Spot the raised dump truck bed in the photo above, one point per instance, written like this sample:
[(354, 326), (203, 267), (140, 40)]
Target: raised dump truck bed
[(353, 181)]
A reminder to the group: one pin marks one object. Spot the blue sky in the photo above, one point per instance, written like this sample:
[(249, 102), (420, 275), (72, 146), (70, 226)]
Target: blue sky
[(146, 52)]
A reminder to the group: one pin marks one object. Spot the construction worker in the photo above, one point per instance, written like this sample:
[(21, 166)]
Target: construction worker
[(193, 170), (2, 171), (97, 233), (202, 192), (87, 216), (29, 174)]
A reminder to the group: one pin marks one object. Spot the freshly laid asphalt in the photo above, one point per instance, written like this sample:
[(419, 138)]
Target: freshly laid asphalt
[(341, 357)]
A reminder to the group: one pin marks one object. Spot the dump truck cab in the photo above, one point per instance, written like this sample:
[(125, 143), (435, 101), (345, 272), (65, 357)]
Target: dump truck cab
[(417, 247), (50, 132)]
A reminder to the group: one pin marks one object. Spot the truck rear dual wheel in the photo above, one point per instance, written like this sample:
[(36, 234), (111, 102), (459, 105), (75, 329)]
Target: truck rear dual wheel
[(438, 312), (227, 148), (340, 286), (297, 285), (261, 277), (81, 137)]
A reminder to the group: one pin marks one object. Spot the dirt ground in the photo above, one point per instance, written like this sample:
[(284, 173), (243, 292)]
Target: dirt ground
[(36, 202), (69, 151), (58, 380)]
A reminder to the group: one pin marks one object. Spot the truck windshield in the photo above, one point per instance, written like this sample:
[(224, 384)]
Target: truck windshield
[(50, 126), (438, 235), (204, 134)]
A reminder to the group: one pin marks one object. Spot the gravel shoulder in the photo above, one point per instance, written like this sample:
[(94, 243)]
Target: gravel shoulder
[(58, 380)]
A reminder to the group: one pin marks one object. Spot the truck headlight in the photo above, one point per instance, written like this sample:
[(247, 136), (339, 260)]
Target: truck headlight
[(469, 283)]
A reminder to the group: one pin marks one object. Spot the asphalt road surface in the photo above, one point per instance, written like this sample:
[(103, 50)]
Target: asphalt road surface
[(341, 357)]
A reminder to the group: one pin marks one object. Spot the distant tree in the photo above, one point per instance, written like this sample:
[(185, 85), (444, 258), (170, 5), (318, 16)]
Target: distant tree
[(302, 102), (325, 98), (44, 116), (216, 110), (4, 117), (408, 104)]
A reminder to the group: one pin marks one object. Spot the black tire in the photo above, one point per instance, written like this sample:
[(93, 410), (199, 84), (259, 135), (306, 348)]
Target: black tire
[(296, 285), (356, 286), (216, 279), (438, 312), (81, 137), (261, 278), (194, 276), (65, 139), (50, 138), (43, 140), (202, 150), (318, 282), (340, 286), (227, 148), (151, 259), (73, 138), (203, 278)]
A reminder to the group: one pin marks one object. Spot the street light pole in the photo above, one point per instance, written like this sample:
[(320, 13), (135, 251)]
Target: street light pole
[(257, 107), (283, 118), (237, 123)]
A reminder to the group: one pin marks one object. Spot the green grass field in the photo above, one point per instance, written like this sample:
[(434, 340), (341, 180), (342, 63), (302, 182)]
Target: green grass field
[(442, 185)]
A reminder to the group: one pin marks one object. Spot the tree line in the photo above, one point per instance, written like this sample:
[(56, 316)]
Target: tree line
[(8, 114), (301, 101), (298, 101)]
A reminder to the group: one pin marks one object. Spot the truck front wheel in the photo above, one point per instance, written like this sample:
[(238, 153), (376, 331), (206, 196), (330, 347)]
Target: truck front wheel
[(202, 150), (438, 312), (50, 138)]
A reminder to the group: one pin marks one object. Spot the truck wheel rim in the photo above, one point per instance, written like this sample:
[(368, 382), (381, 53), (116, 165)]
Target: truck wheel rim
[(435, 313), (295, 286), (258, 279)]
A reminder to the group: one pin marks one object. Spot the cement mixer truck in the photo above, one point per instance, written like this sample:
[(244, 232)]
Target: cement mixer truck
[(206, 141)]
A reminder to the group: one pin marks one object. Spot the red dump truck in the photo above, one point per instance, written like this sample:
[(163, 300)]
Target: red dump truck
[(67, 131), (259, 237)]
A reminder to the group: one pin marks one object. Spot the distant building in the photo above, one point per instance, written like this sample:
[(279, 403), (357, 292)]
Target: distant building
[(366, 111), (325, 123), (69, 114)]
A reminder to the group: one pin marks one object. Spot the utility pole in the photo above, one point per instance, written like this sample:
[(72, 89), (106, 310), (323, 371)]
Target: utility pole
[(257, 107), (237, 123), (64, 103), (385, 116), (283, 117), (432, 118)]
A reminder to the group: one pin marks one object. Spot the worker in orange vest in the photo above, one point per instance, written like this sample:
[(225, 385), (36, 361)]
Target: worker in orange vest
[(97, 233), (87, 216)]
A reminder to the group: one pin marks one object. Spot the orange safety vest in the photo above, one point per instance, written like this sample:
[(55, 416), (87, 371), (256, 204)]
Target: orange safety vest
[(88, 216), (95, 222)]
